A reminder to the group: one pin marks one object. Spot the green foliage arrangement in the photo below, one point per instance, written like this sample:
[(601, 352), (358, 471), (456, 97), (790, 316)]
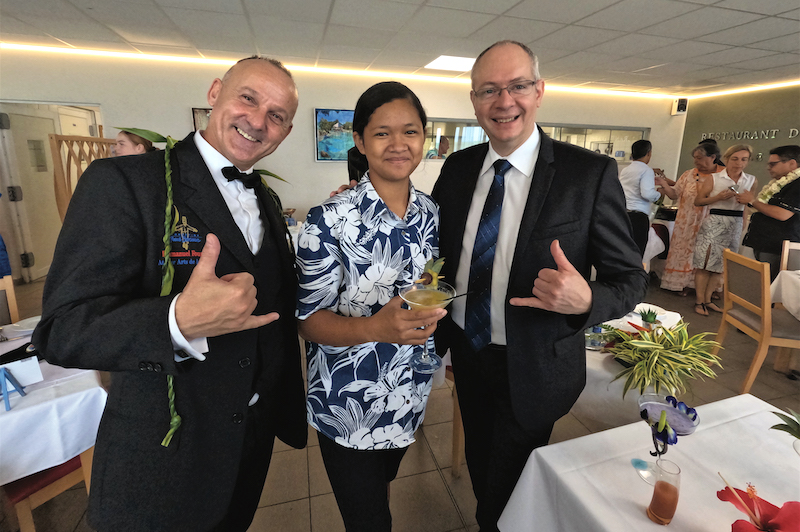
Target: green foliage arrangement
[(648, 316), (792, 426), (664, 359)]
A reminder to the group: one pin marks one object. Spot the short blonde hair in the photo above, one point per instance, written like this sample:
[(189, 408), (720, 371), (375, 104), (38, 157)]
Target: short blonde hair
[(737, 147)]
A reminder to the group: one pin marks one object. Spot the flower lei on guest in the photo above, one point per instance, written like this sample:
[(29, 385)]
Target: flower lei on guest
[(168, 270), (773, 188)]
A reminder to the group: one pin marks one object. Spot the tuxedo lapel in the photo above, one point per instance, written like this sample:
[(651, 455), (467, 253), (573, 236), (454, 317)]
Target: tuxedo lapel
[(280, 232), (204, 198), (542, 179)]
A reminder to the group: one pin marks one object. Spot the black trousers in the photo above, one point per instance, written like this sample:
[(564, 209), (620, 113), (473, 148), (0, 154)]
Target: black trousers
[(641, 229), (360, 482), (774, 260), (253, 467), (497, 446)]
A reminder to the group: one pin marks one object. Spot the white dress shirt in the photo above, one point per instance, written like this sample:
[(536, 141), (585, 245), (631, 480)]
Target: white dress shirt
[(638, 183), (243, 204), (517, 185)]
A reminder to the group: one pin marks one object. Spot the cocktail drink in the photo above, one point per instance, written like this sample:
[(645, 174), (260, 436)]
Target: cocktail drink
[(419, 296), (665, 492)]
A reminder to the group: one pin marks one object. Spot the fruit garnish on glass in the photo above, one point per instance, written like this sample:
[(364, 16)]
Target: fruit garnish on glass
[(430, 275)]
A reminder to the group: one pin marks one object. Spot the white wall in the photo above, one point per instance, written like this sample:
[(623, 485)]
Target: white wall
[(159, 96)]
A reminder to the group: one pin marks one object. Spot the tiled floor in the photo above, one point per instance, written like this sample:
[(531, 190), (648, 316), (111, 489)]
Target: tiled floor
[(425, 497)]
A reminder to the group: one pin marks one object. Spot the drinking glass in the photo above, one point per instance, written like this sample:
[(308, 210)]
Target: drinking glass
[(665, 478), (423, 297)]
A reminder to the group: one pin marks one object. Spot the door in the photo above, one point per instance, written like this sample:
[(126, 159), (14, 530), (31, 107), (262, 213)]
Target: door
[(30, 226)]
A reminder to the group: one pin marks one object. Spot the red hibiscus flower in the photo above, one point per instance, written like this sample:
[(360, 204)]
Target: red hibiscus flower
[(764, 516)]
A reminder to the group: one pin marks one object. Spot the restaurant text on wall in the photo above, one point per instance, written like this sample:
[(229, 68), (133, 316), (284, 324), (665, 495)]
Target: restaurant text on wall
[(751, 135)]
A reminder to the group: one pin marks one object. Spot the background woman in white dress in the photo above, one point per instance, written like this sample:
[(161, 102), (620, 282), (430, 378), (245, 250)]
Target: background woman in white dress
[(723, 227)]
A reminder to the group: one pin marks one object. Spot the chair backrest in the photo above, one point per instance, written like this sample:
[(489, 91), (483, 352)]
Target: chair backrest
[(790, 255), (7, 285), (71, 155), (746, 284)]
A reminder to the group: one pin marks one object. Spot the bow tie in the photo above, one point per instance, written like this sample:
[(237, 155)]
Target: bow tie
[(250, 180)]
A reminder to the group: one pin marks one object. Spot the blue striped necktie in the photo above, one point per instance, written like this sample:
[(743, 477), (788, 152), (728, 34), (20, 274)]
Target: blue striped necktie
[(477, 322)]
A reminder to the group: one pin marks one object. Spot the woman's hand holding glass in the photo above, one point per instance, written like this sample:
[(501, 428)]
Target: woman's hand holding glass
[(396, 325)]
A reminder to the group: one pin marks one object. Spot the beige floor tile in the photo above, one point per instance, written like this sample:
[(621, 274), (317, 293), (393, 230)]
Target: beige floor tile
[(418, 458), (287, 517), (440, 406), (325, 515), (287, 479), (318, 482), (440, 440), (768, 385), (567, 428), (461, 490), (422, 503), (313, 437), (63, 513), (786, 403), (710, 390)]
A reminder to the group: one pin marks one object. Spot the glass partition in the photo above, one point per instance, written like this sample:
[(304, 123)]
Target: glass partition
[(444, 136)]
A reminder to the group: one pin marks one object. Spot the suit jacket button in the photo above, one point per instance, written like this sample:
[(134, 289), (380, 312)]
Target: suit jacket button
[(238, 418), (143, 366), (157, 367), (243, 363), (149, 366)]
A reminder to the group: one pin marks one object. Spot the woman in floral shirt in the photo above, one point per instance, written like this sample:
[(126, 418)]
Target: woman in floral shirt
[(355, 252)]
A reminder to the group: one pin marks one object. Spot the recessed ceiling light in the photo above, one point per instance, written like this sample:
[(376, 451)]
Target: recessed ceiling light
[(449, 62)]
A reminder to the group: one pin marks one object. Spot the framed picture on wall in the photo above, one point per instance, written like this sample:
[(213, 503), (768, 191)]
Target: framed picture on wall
[(200, 117), (334, 133)]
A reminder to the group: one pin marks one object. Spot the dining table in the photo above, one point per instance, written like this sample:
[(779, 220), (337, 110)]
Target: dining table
[(589, 483), (55, 421)]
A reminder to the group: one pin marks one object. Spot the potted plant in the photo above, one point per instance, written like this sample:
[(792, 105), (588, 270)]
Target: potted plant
[(663, 359), (791, 425)]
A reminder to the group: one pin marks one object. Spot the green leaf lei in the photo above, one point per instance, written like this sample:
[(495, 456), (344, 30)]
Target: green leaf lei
[(168, 270)]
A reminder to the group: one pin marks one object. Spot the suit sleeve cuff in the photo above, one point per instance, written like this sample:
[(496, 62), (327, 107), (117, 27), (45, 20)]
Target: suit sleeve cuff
[(185, 349)]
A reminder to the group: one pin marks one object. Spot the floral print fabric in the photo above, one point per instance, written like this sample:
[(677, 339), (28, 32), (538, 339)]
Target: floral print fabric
[(354, 254), (678, 270)]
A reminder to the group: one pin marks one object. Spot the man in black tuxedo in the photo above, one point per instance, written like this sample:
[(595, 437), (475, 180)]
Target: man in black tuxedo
[(517, 341), (225, 332)]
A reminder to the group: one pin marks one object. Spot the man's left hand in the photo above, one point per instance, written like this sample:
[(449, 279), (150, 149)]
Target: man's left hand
[(564, 290)]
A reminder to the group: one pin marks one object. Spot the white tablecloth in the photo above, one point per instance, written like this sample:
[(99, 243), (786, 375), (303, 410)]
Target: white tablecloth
[(600, 405), (786, 289), (56, 421), (588, 484)]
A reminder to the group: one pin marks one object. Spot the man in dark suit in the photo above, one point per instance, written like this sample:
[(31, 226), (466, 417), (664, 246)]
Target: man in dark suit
[(225, 332), (545, 218)]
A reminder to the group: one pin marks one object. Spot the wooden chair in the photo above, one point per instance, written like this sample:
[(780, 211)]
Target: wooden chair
[(71, 155), (34, 490), (7, 284), (458, 429), (748, 307), (790, 255)]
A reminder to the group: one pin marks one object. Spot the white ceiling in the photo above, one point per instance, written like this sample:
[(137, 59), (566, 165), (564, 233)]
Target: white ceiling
[(666, 46)]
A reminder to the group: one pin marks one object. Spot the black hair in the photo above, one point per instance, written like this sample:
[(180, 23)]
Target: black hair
[(786, 153), (640, 149), (357, 164), (708, 149), (708, 141), (379, 94)]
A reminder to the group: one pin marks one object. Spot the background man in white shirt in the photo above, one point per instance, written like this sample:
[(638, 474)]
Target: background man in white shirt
[(638, 183)]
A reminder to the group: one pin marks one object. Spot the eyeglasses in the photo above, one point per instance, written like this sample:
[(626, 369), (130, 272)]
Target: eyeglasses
[(516, 89), (771, 164)]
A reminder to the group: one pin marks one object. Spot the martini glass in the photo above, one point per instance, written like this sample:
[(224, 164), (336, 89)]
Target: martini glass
[(425, 297)]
